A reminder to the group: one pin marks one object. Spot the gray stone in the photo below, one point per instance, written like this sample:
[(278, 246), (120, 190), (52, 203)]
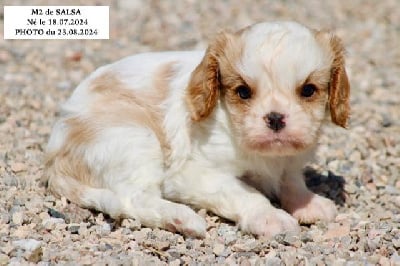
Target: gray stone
[(18, 218), (395, 259), (33, 249), (51, 223)]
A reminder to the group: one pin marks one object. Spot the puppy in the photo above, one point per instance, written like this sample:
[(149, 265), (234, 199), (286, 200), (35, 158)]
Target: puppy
[(221, 130)]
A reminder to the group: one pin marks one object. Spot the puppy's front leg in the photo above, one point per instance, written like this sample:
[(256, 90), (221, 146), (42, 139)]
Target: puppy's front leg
[(306, 206), (229, 197)]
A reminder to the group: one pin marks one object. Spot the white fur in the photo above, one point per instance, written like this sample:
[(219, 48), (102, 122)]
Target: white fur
[(206, 160)]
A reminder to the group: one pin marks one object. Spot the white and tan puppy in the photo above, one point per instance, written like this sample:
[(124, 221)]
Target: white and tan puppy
[(220, 130)]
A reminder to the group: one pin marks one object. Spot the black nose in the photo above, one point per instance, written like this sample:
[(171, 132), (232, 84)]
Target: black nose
[(275, 121)]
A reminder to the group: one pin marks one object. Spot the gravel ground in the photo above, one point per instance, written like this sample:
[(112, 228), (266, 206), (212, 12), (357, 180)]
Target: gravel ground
[(358, 167)]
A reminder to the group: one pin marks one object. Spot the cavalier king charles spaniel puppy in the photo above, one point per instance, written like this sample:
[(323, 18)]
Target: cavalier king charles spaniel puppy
[(222, 129)]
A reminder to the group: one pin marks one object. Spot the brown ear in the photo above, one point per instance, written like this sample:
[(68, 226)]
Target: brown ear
[(339, 88), (204, 85)]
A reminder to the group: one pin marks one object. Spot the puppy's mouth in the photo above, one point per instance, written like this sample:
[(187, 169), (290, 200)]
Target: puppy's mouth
[(276, 144)]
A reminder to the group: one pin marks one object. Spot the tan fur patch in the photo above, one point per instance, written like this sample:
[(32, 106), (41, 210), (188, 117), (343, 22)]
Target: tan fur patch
[(203, 88), (68, 160), (114, 105), (119, 105), (61, 168), (339, 95), (205, 84), (231, 79), (339, 89)]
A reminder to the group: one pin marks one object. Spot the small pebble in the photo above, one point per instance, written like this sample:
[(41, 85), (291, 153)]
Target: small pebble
[(33, 249), (131, 224), (395, 259), (337, 231), (51, 223), (4, 259), (18, 218), (18, 167), (273, 261), (56, 214), (248, 245), (396, 243), (218, 249), (74, 229), (162, 245)]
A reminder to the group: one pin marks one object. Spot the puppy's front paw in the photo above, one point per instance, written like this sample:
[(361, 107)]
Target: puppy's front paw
[(189, 224), (269, 222), (317, 208)]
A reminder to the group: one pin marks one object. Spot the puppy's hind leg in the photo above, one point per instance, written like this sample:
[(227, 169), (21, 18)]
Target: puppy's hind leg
[(101, 199), (147, 207), (153, 211)]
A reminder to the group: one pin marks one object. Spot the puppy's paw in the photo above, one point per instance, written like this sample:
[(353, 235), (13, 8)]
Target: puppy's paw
[(190, 225), (317, 208), (269, 222)]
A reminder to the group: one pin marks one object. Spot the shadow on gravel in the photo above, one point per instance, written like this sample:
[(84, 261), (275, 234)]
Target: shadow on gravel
[(330, 186)]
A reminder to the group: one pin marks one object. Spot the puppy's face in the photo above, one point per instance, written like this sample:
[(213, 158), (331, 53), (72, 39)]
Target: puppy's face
[(275, 82)]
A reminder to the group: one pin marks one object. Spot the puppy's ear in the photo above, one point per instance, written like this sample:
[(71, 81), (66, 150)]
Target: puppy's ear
[(204, 85), (339, 88)]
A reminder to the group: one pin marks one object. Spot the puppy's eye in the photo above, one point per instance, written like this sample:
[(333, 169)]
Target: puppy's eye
[(244, 92), (308, 90)]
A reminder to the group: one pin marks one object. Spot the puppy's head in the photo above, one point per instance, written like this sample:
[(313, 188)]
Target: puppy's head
[(275, 81)]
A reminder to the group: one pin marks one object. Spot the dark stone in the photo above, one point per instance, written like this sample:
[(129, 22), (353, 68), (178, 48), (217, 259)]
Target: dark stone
[(56, 214)]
